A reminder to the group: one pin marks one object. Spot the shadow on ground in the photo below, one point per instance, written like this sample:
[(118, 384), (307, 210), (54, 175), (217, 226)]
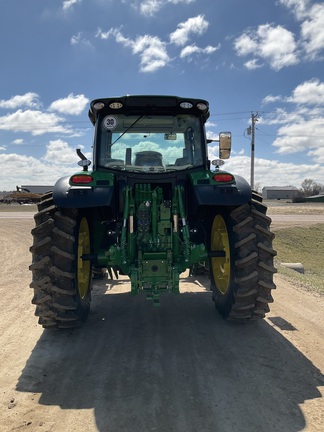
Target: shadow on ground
[(178, 367)]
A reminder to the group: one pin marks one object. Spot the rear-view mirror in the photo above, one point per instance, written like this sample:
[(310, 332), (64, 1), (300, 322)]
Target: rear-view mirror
[(225, 143)]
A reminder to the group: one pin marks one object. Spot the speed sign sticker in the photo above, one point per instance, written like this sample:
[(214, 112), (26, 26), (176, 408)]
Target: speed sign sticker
[(110, 122)]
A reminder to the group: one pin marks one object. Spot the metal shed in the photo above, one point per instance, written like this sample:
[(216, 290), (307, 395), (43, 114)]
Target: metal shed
[(279, 192)]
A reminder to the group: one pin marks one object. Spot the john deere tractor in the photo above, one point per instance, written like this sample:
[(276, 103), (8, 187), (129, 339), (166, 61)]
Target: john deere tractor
[(152, 207)]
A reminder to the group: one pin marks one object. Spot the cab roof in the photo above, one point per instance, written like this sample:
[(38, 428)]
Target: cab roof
[(150, 104)]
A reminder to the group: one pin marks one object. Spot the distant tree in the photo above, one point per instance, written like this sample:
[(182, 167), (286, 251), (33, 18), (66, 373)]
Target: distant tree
[(257, 187), (310, 187)]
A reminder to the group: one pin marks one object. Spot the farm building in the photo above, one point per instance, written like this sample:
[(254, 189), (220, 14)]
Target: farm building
[(279, 192)]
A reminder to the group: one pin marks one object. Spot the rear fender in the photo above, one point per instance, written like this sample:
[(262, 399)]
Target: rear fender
[(67, 196), (234, 194)]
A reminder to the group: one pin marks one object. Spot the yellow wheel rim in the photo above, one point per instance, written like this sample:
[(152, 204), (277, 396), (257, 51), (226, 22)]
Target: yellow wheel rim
[(220, 266), (84, 267)]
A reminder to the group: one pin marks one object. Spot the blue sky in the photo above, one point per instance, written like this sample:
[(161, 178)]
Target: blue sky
[(243, 57)]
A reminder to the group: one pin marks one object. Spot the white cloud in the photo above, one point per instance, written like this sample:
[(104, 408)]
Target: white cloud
[(252, 64), (273, 44), (273, 172), (302, 129), (79, 40), (310, 93), (180, 1), (151, 49), (191, 50), (59, 160), (75, 39), (307, 93), (288, 143), (60, 152), (317, 155), (277, 45), (35, 122), (246, 44), (270, 172), (17, 170), (312, 30), (306, 134), (271, 99), (151, 7), (73, 105), (308, 47), (28, 99), (152, 52), (312, 25), (197, 25), (298, 7), (210, 124), (68, 4), (18, 141), (281, 116), (105, 35)]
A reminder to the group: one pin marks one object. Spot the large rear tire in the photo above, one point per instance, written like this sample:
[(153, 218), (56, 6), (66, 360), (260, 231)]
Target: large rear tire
[(242, 279), (60, 278)]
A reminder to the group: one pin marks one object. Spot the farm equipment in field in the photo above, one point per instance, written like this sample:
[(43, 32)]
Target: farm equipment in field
[(153, 206), (21, 196)]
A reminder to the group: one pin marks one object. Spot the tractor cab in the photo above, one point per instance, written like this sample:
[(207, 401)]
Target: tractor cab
[(152, 134)]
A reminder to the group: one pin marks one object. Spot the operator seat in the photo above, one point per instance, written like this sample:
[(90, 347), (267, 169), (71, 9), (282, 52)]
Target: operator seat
[(148, 158)]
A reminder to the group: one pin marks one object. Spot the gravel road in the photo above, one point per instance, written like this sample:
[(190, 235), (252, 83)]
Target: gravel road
[(176, 368)]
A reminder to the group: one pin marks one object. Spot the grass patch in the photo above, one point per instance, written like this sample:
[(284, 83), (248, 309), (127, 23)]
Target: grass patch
[(306, 246)]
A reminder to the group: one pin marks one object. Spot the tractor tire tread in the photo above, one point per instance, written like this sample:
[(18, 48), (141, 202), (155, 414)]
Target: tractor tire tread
[(254, 268), (53, 266)]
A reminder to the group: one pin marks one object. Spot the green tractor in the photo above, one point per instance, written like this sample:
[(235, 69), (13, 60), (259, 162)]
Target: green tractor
[(151, 208)]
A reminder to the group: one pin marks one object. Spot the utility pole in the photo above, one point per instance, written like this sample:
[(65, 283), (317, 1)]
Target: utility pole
[(251, 131)]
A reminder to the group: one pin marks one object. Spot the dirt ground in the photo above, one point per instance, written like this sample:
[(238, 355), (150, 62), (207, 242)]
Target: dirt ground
[(176, 368)]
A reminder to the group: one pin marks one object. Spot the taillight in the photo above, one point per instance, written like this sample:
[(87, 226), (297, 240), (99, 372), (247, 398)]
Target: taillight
[(223, 178), (81, 179)]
